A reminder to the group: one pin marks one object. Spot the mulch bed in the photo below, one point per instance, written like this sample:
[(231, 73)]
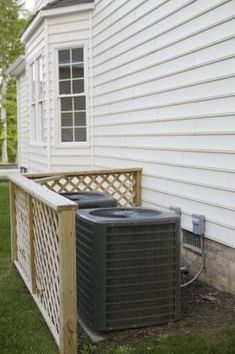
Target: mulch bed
[(203, 309)]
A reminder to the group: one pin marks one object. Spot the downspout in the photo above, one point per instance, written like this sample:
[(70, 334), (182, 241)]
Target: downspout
[(91, 94), (47, 101), (18, 157)]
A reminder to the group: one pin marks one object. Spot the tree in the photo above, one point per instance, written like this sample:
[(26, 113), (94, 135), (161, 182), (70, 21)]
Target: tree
[(11, 25), (11, 121)]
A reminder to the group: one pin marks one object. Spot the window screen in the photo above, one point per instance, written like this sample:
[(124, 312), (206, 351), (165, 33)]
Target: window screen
[(72, 95)]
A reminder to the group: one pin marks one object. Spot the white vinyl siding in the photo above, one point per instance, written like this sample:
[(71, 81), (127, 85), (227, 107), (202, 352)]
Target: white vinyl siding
[(164, 100), (160, 95), (49, 154), (22, 121), (65, 32), (37, 148)]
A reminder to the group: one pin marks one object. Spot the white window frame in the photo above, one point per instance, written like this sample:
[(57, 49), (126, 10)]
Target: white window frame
[(33, 85), (40, 106), (57, 122), (36, 104)]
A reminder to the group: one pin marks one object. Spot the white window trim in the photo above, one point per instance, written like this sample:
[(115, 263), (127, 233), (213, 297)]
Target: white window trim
[(57, 120), (39, 141)]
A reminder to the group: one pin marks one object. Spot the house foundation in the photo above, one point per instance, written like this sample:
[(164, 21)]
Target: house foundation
[(219, 264)]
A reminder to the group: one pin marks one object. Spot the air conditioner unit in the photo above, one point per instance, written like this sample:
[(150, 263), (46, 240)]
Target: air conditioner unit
[(128, 263), (91, 199)]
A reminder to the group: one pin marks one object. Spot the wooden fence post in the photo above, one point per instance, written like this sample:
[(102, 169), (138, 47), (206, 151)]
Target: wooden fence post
[(31, 244), (68, 298), (13, 223), (138, 188)]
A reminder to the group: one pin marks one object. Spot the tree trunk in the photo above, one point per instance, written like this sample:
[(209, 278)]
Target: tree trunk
[(4, 122)]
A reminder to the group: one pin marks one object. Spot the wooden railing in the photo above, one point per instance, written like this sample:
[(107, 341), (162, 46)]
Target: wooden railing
[(43, 239)]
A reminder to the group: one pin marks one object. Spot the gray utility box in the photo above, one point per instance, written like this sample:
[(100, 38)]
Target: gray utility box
[(91, 199), (128, 263)]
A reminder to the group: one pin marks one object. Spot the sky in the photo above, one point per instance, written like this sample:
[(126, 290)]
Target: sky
[(29, 4)]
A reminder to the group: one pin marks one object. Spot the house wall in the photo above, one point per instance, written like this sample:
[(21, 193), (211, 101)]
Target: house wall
[(163, 74), (64, 32), (161, 78), (22, 121), (37, 152)]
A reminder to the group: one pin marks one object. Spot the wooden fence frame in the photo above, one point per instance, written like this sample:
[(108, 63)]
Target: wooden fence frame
[(64, 209), (67, 339)]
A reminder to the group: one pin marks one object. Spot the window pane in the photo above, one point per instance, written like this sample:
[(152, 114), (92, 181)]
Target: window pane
[(80, 118), (40, 120), (40, 76), (78, 70), (64, 72), (67, 134), (33, 123), (80, 103), (33, 81), (78, 86), (67, 119), (66, 104), (77, 55), (65, 87), (80, 134), (40, 111), (64, 56)]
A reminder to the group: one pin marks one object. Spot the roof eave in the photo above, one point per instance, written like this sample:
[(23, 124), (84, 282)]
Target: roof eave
[(17, 67), (41, 15)]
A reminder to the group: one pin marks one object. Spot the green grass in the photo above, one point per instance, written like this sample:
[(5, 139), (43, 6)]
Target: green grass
[(23, 331)]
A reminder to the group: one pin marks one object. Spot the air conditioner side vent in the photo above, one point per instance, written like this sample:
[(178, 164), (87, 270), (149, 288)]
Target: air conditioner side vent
[(141, 266)]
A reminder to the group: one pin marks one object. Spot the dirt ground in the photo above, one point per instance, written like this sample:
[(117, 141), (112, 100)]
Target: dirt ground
[(203, 309)]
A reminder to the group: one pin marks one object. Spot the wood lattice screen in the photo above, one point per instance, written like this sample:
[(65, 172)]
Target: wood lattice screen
[(37, 258), (123, 185), (46, 260), (43, 239), (22, 230), (43, 251)]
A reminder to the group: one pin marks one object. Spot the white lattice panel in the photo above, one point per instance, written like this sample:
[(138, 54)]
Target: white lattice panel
[(46, 250), (22, 231), (120, 185)]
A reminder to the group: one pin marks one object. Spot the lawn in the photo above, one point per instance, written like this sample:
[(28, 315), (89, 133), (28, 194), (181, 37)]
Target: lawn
[(22, 329)]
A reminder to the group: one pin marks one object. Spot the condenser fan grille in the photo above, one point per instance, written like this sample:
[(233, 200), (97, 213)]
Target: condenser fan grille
[(85, 270), (141, 275)]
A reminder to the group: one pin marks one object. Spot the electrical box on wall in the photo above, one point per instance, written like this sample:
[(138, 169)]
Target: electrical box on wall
[(198, 224)]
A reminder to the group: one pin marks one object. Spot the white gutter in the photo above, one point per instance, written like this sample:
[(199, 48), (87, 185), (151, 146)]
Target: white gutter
[(41, 15), (17, 67)]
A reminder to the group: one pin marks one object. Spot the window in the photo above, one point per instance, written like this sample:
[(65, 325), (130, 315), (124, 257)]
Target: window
[(33, 102), (37, 100), (72, 95)]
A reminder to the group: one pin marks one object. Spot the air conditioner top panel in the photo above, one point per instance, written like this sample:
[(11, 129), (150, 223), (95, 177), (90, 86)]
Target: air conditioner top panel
[(91, 198), (127, 216)]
